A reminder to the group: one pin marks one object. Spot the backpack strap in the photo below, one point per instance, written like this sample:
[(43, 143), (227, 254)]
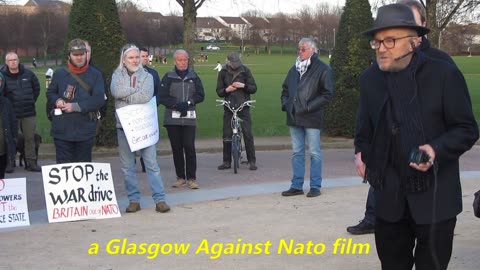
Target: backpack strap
[(80, 81)]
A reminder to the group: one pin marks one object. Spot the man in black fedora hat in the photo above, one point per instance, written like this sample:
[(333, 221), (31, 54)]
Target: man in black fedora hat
[(367, 224), (414, 121)]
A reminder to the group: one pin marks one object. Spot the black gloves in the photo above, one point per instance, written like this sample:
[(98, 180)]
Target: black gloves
[(182, 107)]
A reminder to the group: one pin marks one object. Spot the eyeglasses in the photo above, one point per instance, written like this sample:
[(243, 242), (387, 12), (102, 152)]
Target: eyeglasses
[(12, 60), (303, 49), (389, 43)]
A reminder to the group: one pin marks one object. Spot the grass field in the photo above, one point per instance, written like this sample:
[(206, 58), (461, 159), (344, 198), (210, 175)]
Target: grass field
[(269, 72)]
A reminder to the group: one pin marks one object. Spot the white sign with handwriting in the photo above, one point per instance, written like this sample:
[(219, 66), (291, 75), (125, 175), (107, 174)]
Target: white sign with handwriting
[(140, 124)]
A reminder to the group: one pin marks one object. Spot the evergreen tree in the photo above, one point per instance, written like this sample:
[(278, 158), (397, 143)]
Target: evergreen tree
[(351, 56), (97, 21)]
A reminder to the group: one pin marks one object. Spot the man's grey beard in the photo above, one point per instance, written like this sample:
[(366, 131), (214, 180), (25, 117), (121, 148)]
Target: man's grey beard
[(132, 68)]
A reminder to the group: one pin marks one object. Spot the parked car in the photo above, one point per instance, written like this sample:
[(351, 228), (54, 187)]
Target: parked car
[(213, 47)]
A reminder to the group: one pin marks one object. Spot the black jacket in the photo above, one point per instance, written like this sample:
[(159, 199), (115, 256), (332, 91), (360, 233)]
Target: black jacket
[(431, 52), (227, 76), (449, 127), (174, 89), (22, 89), (9, 127), (304, 99)]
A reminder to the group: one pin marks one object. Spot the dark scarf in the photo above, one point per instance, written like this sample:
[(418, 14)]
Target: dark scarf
[(399, 130), (181, 73)]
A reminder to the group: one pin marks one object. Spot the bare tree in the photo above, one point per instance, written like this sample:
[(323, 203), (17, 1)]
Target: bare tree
[(190, 8)]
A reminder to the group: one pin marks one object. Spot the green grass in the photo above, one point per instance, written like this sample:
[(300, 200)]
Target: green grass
[(269, 72)]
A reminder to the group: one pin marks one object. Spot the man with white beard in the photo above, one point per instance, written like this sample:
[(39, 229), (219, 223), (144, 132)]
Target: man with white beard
[(132, 84)]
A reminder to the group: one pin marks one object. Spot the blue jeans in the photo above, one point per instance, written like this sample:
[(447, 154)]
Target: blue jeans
[(312, 136), (127, 160)]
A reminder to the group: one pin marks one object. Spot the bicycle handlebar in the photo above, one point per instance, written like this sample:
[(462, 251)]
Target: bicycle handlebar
[(227, 104)]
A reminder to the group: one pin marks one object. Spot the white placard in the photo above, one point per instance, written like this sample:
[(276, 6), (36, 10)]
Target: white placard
[(78, 191), (13, 203), (140, 124)]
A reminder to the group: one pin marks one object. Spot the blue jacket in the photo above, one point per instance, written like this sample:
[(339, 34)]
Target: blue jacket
[(76, 126)]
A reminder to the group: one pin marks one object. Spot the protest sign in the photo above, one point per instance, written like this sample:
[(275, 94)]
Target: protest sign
[(78, 191), (13, 203), (140, 124)]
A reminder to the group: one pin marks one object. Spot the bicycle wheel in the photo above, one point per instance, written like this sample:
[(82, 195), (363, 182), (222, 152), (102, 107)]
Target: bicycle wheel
[(236, 150)]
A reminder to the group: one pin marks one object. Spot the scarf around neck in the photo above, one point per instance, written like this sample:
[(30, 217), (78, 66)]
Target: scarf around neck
[(77, 70), (398, 131), (302, 66)]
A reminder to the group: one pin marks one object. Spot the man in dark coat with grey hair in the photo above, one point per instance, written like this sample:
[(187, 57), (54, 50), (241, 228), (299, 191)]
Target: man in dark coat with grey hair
[(410, 103)]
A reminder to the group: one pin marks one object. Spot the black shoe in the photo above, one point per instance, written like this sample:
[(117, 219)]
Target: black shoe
[(314, 192), (224, 166), (292, 192), (362, 228), (252, 167)]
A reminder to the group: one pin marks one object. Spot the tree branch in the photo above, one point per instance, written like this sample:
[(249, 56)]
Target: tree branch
[(450, 15), (180, 2), (198, 3)]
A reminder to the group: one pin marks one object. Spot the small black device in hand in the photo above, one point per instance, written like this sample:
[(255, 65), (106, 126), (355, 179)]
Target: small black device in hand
[(418, 156)]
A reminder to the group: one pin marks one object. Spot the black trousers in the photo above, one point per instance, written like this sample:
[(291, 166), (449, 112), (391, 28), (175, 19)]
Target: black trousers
[(67, 151), (396, 243), (182, 141), (246, 124), (3, 166)]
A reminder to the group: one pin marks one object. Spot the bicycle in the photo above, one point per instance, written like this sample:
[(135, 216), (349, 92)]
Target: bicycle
[(236, 130)]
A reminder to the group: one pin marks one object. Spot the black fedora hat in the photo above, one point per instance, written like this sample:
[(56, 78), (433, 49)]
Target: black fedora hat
[(395, 16)]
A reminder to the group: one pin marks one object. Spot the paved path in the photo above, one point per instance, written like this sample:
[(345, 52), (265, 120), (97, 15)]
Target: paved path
[(228, 207)]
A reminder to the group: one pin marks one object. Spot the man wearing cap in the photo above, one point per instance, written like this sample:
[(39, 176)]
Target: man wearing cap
[(367, 224), (306, 91), (22, 89), (235, 84), (78, 92), (409, 102)]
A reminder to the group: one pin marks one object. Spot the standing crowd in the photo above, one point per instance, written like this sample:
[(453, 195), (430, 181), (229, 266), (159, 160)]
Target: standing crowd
[(414, 121)]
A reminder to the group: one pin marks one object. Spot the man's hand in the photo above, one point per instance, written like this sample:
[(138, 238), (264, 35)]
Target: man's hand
[(230, 88), (182, 107), (238, 85), (427, 148), (67, 107), (359, 165), (60, 103)]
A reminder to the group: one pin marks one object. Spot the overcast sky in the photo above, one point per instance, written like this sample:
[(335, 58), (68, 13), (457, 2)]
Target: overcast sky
[(226, 7), (235, 7)]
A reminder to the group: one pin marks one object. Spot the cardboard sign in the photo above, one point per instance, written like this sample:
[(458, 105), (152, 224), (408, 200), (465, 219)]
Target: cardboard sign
[(140, 124), (13, 203), (79, 191)]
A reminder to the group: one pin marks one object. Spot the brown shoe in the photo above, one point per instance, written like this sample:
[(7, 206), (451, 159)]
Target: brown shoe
[(133, 207), (179, 183), (162, 207), (192, 183), (252, 166)]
